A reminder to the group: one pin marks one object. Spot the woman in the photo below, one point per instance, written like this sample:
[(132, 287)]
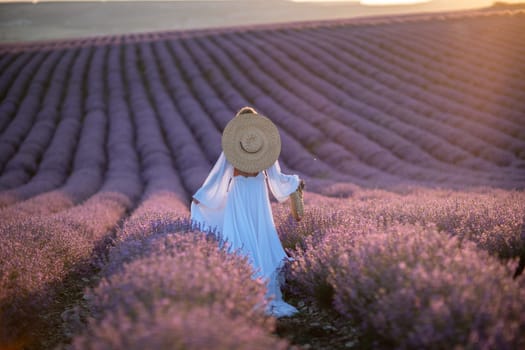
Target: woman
[(234, 199)]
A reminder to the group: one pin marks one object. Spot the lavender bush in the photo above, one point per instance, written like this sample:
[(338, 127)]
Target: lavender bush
[(408, 283), (315, 222), (183, 276), (168, 325), (38, 253), (415, 288), (493, 219), (182, 267), (317, 255), (160, 213)]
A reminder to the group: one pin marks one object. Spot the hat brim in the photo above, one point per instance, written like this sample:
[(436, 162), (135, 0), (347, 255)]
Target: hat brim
[(268, 135)]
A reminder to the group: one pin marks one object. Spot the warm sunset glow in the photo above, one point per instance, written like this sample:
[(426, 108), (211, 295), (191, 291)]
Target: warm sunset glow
[(391, 2), (371, 2), (466, 3)]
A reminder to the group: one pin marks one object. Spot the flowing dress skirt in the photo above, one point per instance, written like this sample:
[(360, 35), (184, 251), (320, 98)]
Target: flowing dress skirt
[(249, 228), (238, 209)]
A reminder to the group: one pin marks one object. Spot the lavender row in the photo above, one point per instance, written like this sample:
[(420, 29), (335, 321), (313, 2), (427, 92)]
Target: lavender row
[(165, 325), (75, 162), (191, 104), (24, 163), (156, 160), (487, 53), (209, 56), (481, 88), (90, 160), (25, 115), (306, 135), (295, 156), (423, 98), (12, 66), (85, 166), (43, 204), (5, 61), (205, 130), (198, 80), (404, 69), (475, 56), (467, 74), (363, 125), (363, 88), (492, 219), (57, 160), (79, 168), (221, 99), (165, 80), (333, 84), (310, 99), (287, 80), (14, 89), (292, 113), (451, 75), (123, 173), (485, 57), (414, 288), (403, 285), (38, 253), (41, 160), (197, 108), (179, 283)]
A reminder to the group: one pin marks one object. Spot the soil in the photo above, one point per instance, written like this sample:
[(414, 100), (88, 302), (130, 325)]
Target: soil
[(317, 328)]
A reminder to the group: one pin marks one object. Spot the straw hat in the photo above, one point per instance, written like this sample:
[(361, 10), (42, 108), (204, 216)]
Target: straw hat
[(251, 142)]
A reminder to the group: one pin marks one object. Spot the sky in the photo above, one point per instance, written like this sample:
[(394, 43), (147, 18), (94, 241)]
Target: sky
[(468, 3)]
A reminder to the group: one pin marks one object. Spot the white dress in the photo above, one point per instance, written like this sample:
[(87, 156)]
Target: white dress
[(238, 209)]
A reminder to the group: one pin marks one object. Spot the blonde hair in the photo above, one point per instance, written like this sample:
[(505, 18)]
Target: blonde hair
[(246, 110)]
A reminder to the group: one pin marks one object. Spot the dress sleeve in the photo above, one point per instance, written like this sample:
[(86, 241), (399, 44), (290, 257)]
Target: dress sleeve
[(212, 195), (280, 184), (213, 191)]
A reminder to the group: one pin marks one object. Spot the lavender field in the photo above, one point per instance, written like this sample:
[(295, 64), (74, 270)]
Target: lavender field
[(409, 132)]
